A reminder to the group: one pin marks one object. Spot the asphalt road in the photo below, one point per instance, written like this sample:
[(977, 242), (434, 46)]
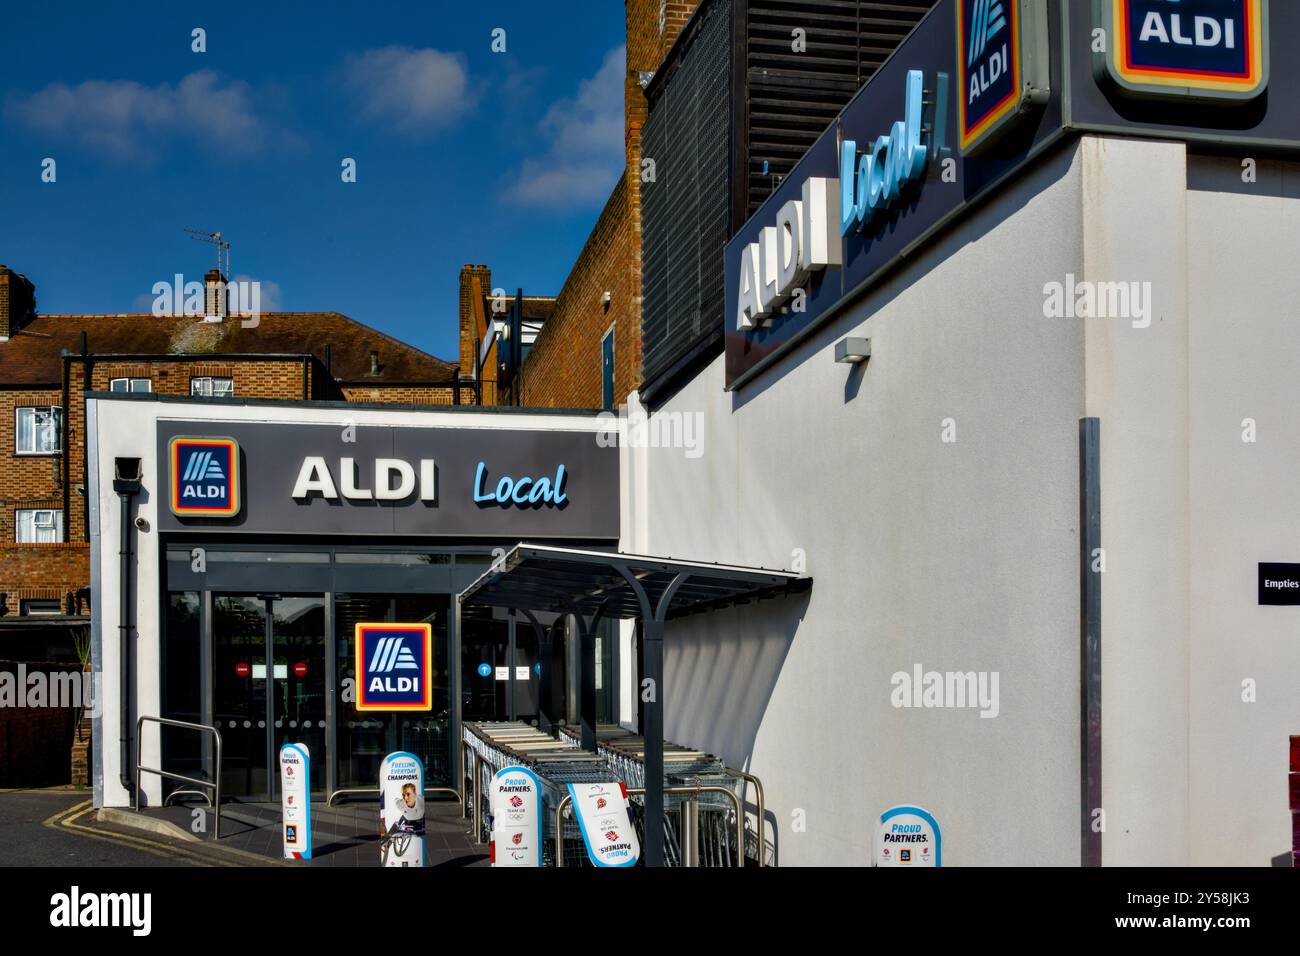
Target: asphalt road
[(58, 828)]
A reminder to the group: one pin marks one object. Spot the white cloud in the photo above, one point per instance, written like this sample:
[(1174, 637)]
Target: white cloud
[(411, 91), (585, 152), (128, 120)]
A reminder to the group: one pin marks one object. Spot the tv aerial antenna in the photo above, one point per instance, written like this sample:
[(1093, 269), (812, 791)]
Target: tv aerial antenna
[(215, 239)]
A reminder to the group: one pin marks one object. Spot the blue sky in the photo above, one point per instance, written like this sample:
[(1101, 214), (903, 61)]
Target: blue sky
[(462, 154)]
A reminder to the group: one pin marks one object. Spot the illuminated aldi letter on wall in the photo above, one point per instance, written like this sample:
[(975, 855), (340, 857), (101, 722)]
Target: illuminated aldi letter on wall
[(204, 477), (1202, 49), (1002, 66), (394, 667)]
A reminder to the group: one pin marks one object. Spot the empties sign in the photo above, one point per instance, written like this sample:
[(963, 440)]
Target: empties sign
[(1279, 584)]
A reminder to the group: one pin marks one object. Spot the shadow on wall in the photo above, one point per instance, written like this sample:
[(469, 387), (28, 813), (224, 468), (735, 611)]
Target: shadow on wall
[(989, 212), (720, 670)]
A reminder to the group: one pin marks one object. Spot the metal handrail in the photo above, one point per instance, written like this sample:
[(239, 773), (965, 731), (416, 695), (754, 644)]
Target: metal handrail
[(351, 791), (168, 800), (640, 791), (758, 788), (139, 768)]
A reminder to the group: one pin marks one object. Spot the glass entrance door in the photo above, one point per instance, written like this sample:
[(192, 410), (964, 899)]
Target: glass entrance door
[(259, 707), (298, 682), (499, 657)]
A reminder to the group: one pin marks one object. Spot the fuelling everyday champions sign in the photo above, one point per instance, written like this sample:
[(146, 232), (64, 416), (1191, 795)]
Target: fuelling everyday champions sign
[(295, 800), (601, 809), (516, 818), (908, 836), (401, 810)]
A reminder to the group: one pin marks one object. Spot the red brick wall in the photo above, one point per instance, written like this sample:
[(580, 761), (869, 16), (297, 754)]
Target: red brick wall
[(42, 571), (408, 394), (26, 481), (563, 370)]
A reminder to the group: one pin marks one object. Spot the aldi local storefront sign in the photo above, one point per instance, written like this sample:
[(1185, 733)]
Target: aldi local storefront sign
[(1202, 49), (601, 809), (295, 800), (401, 810), (908, 836), (1002, 66), (516, 818), (394, 667), (375, 480)]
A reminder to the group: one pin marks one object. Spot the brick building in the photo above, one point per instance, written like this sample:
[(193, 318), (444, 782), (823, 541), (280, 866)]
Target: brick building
[(589, 355), (48, 363), (497, 332), (721, 98)]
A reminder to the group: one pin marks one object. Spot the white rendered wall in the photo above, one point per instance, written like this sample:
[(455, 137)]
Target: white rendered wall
[(957, 556)]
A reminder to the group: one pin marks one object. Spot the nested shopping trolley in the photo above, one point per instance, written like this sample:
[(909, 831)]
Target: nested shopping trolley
[(704, 800)]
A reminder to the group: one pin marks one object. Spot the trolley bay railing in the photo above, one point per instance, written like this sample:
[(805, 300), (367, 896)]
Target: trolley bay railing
[(701, 793), (684, 766)]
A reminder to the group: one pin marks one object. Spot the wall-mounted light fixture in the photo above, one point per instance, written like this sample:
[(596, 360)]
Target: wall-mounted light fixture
[(852, 351), (605, 299)]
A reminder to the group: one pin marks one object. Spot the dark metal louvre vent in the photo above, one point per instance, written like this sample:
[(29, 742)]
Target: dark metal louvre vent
[(684, 213), (793, 97)]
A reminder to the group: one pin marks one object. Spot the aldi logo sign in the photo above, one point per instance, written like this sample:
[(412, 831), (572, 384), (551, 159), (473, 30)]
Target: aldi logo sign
[(204, 477), (1199, 49), (1002, 59), (394, 667)]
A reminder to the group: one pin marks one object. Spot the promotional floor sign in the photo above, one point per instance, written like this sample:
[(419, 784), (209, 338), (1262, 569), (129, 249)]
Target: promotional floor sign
[(908, 836), (401, 810), (516, 818), (601, 809), (295, 800)]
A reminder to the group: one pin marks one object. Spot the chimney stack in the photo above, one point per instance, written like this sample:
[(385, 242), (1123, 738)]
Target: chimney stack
[(214, 296), (17, 302)]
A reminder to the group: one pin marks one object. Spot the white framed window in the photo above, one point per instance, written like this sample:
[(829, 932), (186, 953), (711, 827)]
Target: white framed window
[(130, 385), (209, 387), (38, 526), (38, 431)]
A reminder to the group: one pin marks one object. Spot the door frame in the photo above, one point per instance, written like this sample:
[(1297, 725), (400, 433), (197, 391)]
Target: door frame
[(208, 666)]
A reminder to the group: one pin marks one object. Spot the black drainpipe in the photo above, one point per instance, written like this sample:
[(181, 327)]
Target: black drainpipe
[(126, 483)]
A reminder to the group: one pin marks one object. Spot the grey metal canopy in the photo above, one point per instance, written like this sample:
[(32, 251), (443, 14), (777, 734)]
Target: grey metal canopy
[(594, 585), (571, 580)]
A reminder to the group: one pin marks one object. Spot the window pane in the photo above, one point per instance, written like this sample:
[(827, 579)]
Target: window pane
[(200, 386), (141, 385), (26, 430), (118, 385), (24, 526), (223, 387)]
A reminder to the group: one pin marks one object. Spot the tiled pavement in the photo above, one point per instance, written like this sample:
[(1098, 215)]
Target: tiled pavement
[(344, 835)]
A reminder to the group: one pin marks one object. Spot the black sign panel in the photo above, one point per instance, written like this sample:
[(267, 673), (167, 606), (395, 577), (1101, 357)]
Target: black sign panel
[(405, 480), (1279, 584), (900, 222)]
